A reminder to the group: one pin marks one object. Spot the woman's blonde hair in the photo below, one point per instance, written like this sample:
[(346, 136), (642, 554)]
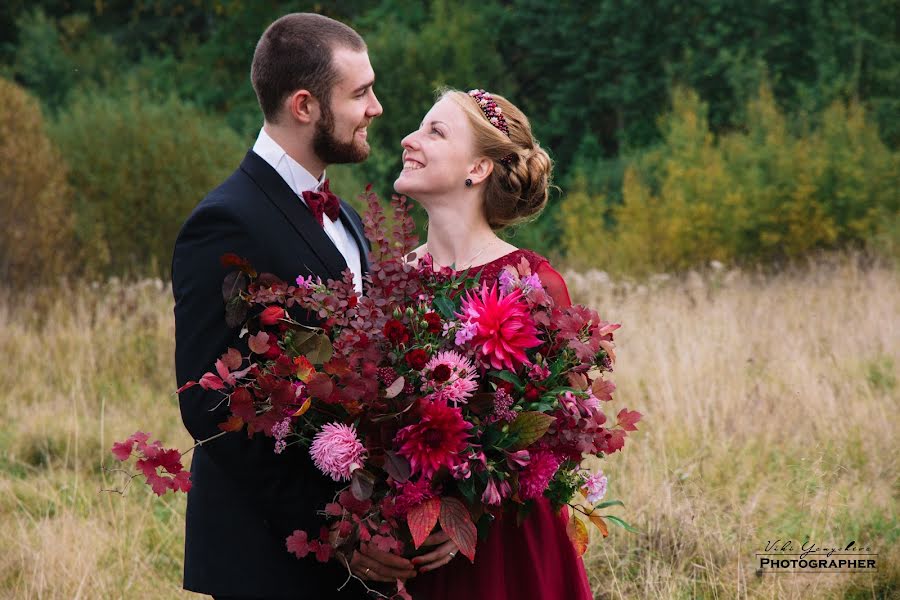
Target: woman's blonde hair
[(517, 189)]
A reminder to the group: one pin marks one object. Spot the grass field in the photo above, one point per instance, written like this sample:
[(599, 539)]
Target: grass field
[(771, 412)]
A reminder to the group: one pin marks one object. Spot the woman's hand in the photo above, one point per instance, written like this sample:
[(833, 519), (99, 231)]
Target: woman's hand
[(444, 551), (372, 564)]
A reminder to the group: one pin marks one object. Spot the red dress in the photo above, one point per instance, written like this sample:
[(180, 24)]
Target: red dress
[(534, 561)]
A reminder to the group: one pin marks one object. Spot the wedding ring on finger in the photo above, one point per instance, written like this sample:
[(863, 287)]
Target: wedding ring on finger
[(366, 573), (451, 554)]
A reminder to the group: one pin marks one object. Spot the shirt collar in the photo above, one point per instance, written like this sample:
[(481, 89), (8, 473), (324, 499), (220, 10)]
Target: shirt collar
[(295, 175)]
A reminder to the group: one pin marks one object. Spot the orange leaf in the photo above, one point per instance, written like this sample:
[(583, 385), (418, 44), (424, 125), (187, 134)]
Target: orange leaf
[(303, 408), (423, 518), (234, 423), (457, 523), (578, 533), (305, 369), (600, 523)]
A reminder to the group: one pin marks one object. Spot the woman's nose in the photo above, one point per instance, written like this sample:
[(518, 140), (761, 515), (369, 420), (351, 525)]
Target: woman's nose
[(409, 142)]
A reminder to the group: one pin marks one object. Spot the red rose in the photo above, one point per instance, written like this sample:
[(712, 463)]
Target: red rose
[(441, 373), (416, 359), (506, 386), (396, 332), (433, 320), (271, 316), (532, 392), (274, 351), (352, 301)]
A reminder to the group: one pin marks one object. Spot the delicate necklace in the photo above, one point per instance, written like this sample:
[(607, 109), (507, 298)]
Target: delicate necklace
[(471, 261)]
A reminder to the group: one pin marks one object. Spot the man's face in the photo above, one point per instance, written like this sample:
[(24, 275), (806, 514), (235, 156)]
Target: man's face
[(341, 131)]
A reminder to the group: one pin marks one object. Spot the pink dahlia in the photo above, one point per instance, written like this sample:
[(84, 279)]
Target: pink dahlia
[(450, 376), (505, 328), (337, 451), (437, 440), (537, 475)]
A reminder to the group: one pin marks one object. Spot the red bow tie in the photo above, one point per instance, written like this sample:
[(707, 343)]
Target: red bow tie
[(323, 202)]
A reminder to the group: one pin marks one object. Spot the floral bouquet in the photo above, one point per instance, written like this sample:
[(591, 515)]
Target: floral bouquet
[(433, 398)]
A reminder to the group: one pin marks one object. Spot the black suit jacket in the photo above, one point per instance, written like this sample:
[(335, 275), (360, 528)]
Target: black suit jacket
[(246, 499)]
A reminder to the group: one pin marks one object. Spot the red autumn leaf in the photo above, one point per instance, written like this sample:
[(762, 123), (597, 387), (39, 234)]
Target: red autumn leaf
[(457, 523), (231, 259), (603, 389), (186, 386), (297, 544), (211, 382), (158, 483), (320, 386), (337, 366), (578, 381), (122, 450), (232, 359), (259, 343), (627, 419), (385, 543), (170, 460), (241, 404), (182, 482), (305, 369), (578, 533), (234, 423), (222, 370), (333, 509), (616, 440), (422, 519), (610, 349)]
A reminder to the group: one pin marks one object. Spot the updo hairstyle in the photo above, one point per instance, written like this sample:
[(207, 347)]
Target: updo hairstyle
[(517, 188)]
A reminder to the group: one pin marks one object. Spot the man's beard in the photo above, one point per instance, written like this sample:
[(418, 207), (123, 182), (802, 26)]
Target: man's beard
[(331, 150)]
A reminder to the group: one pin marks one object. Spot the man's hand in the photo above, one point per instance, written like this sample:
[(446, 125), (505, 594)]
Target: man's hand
[(445, 550), (372, 564)]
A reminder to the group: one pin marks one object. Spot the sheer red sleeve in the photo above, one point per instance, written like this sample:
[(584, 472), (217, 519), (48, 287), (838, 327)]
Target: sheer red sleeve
[(554, 284)]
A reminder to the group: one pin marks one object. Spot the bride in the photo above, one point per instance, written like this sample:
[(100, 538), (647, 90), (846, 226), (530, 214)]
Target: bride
[(475, 168)]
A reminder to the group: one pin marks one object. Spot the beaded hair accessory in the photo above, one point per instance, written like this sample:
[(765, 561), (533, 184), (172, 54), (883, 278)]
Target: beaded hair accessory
[(493, 113)]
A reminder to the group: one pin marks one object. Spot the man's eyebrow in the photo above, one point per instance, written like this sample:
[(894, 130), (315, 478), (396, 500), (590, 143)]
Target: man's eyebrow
[(364, 86)]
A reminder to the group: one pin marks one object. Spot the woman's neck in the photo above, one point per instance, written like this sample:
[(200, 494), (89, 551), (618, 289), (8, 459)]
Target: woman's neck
[(461, 239)]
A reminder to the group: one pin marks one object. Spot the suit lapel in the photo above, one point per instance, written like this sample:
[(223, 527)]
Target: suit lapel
[(295, 211), (355, 228)]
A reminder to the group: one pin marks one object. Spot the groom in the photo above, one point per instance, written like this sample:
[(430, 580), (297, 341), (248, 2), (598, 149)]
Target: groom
[(314, 83)]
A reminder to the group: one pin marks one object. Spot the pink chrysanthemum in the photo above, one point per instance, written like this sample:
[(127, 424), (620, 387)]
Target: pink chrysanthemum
[(537, 475), (505, 327), (450, 376), (337, 451), (437, 440)]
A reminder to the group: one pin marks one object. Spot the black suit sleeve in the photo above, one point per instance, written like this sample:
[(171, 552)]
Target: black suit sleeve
[(274, 483)]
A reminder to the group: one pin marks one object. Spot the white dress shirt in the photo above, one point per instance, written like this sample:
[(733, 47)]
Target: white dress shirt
[(300, 180)]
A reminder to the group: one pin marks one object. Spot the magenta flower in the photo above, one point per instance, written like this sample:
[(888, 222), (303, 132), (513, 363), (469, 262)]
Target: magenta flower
[(336, 451), (505, 327), (491, 495), (437, 440), (537, 475)]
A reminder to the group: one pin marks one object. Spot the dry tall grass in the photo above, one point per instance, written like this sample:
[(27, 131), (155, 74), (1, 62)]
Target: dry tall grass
[(771, 412)]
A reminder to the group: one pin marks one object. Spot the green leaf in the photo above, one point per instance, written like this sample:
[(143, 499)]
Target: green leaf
[(445, 307), (608, 503), (530, 427), (507, 376), (621, 523)]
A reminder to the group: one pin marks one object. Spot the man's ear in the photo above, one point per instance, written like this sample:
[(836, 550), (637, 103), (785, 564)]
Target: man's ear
[(480, 170), (302, 107)]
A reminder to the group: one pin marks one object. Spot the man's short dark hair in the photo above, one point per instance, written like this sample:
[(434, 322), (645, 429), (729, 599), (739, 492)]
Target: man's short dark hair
[(296, 52)]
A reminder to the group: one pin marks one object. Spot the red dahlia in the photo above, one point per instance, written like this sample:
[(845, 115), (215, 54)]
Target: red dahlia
[(437, 440)]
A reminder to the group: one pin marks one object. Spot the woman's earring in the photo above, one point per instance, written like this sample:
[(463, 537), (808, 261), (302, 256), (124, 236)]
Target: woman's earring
[(468, 183)]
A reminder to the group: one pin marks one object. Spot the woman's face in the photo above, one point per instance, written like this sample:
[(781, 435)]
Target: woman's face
[(438, 156)]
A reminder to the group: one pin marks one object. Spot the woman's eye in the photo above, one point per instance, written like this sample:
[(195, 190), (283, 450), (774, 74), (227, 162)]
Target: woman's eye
[(435, 130)]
